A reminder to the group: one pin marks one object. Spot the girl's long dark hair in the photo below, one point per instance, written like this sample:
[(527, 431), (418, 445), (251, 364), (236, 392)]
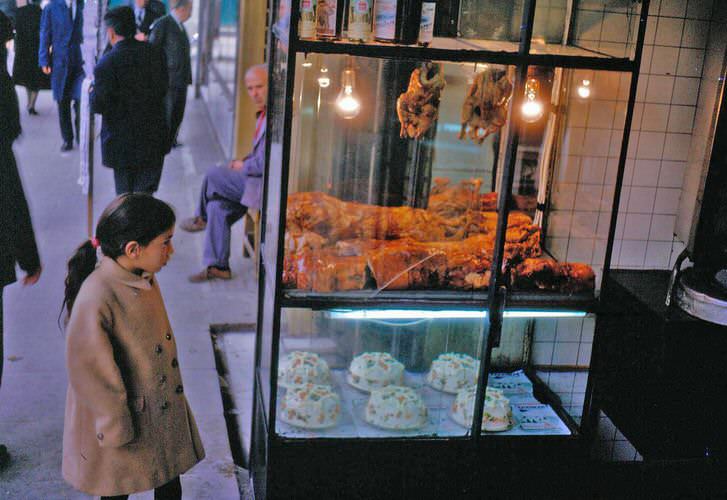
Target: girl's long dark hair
[(130, 217)]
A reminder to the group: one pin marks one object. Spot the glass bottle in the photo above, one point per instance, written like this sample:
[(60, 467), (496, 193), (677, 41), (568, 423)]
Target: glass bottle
[(329, 17), (307, 23), (359, 20), (426, 27)]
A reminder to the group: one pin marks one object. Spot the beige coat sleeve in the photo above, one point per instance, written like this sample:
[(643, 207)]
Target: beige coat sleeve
[(94, 375)]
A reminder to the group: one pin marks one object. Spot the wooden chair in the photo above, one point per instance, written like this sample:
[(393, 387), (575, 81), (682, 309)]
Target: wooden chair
[(251, 226)]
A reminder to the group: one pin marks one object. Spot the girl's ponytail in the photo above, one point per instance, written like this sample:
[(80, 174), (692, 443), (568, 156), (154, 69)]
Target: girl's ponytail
[(80, 265)]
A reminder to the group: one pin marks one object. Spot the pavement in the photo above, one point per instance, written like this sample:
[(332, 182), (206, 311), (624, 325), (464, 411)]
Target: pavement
[(33, 390)]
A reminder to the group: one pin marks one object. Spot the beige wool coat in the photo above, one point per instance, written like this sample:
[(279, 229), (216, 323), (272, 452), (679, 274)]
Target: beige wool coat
[(128, 426)]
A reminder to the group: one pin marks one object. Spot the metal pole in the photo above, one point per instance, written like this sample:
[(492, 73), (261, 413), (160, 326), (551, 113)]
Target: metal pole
[(100, 8), (498, 291)]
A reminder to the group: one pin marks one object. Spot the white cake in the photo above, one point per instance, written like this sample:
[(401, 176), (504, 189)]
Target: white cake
[(374, 370), (300, 367), (497, 414), (310, 406), (396, 408), (452, 371)]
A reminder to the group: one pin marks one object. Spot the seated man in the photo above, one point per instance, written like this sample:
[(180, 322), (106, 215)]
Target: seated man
[(228, 191)]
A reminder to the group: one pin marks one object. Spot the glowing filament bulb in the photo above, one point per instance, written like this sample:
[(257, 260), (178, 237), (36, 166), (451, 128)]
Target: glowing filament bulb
[(532, 109), (348, 105), (584, 89)]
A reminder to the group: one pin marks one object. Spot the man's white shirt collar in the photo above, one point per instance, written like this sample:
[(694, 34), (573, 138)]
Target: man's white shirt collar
[(71, 4)]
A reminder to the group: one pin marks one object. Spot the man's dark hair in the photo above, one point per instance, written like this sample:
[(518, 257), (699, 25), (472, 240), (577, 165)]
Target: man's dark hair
[(121, 20)]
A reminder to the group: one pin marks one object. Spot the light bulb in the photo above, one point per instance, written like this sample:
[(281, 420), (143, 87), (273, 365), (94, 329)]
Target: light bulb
[(348, 105), (306, 63), (323, 79), (532, 109), (584, 89)]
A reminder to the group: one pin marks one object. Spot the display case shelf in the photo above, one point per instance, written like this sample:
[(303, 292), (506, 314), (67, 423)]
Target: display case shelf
[(472, 50), (366, 299)]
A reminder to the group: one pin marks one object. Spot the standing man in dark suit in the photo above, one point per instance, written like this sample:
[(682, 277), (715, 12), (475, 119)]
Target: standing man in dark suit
[(130, 82), (17, 242), (169, 34), (59, 55), (145, 13)]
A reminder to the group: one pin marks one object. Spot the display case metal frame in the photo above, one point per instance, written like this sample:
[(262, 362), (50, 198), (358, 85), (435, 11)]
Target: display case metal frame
[(278, 462)]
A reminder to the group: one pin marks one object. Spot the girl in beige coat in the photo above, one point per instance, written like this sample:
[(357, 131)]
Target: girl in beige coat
[(128, 426)]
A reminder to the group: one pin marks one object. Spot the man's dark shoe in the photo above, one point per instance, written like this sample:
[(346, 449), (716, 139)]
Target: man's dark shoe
[(176, 144), (67, 146), (193, 224), (32, 111), (4, 457)]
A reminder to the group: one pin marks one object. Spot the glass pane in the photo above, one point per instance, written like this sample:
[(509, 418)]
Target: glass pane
[(538, 375), (372, 213), (606, 27), (382, 373), (585, 156), (501, 19), (491, 19), (269, 252)]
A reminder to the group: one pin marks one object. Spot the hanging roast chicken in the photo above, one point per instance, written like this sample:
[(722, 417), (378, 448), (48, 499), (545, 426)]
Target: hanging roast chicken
[(485, 107), (418, 107)]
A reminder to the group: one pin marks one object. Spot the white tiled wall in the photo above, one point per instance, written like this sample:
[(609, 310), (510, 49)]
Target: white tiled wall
[(659, 155), (682, 62)]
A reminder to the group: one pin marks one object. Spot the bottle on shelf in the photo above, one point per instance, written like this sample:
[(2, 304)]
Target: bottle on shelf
[(307, 23), (426, 27), (359, 20), (329, 19), (397, 21)]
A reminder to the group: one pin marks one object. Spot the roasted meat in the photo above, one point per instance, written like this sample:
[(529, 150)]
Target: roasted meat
[(418, 107), (332, 245), (335, 220), (548, 274), (452, 201), (485, 106)]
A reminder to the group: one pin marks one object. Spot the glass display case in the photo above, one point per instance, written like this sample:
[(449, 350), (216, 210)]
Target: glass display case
[(437, 222)]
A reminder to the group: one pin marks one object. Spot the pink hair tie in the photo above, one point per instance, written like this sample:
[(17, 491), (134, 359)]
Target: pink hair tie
[(95, 243)]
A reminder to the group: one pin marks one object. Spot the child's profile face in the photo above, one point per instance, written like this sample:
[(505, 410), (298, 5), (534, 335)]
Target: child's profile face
[(157, 253)]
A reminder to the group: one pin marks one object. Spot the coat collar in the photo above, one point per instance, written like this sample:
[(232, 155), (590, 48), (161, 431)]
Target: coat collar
[(111, 268)]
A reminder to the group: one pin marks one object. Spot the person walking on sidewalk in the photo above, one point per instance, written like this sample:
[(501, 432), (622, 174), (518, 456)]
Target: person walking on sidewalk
[(26, 72), (130, 82), (17, 241), (169, 35), (228, 191), (59, 55), (128, 426)]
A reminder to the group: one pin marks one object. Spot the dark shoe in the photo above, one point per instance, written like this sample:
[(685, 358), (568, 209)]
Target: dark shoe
[(176, 144), (4, 457), (193, 224), (32, 111), (67, 146), (209, 274)]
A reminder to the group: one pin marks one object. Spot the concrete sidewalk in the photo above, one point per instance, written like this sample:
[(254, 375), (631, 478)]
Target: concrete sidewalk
[(32, 396)]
